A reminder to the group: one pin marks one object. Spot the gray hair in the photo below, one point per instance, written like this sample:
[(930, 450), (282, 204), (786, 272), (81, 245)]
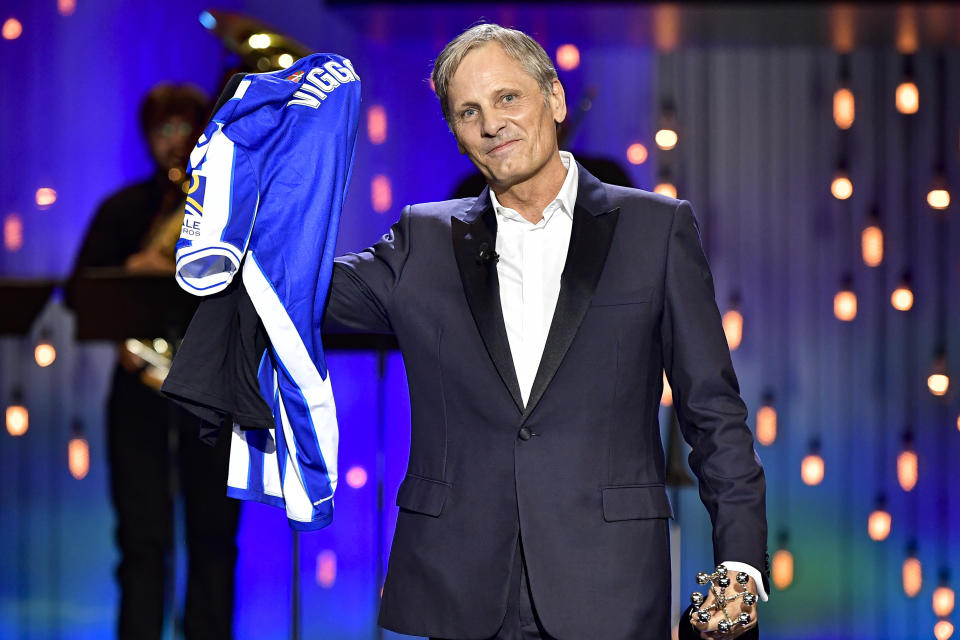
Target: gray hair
[(515, 44)]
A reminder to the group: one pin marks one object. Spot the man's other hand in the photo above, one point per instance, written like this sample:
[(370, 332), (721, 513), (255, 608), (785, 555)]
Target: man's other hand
[(709, 630)]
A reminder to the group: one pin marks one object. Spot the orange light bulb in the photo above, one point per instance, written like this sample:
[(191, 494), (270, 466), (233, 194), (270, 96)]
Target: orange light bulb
[(841, 187), (943, 600), (907, 471), (781, 572), (381, 195), (377, 124), (871, 245), (78, 457), (908, 98), (733, 328), (844, 108), (766, 425), (845, 305), (666, 189), (666, 139), (812, 469), (902, 298), (568, 57), (44, 354), (636, 153), (18, 420), (943, 630), (878, 524), (912, 574)]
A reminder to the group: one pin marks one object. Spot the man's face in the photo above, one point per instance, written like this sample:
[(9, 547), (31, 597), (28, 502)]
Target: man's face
[(171, 142), (500, 118)]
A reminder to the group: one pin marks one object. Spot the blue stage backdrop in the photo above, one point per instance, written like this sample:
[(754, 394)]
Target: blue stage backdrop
[(756, 154)]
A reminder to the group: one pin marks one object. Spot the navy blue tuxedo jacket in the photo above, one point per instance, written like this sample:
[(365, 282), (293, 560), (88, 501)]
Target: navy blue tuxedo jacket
[(578, 471)]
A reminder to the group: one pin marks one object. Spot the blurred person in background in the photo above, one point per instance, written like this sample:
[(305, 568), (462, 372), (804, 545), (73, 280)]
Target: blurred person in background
[(149, 439)]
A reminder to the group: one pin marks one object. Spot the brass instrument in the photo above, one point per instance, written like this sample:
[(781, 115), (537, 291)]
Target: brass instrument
[(261, 48)]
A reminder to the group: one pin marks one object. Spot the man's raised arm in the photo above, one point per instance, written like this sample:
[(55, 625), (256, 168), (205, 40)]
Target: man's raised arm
[(361, 290)]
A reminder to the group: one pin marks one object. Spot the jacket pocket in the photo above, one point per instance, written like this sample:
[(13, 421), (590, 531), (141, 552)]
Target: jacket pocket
[(635, 502), (423, 495), (632, 296)]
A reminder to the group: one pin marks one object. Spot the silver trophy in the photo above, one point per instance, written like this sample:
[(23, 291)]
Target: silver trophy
[(719, 582)]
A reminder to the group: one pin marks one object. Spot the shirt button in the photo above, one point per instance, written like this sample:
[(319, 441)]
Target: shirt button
[(524, 433)]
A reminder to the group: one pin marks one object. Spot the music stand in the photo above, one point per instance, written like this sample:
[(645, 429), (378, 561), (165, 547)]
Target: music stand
[(113, 304), (22, 301)]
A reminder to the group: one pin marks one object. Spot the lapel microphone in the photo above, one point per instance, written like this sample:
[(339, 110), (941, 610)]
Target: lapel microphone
[(485, 254)]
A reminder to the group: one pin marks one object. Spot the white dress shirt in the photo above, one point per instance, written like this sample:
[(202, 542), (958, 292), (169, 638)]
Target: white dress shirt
[(529, 268), (531, 259)]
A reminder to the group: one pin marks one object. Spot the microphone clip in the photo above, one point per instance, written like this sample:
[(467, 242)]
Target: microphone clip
[(485, 254)]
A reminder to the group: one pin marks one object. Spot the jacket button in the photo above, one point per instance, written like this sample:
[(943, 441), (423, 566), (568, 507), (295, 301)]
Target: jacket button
[(524, 433)]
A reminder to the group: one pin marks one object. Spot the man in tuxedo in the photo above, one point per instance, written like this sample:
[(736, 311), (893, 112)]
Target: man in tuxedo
[(535, 323)]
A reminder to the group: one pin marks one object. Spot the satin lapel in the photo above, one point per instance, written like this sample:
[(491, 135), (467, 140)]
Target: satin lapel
[(482, 287), (590, 240)]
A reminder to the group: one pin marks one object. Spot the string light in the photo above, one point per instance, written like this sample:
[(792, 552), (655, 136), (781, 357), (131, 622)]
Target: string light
[(666, 399), (902, 296), (871, 242), (938, 197), (666, 139), (666, 189), (78, 453), (907, 464), (733, 322), (844, 108), (12, 29), (943, 630), (18, 418), (568, 57), (377, 124), (666, 136), (845, 301), (878, 524), (912, 573), (767, 421), (908, 97), (781, 570), (326, 568), (12, 232), (381, 195), (636, 153), (842, 186), (356, 477), (45, 197), (44, 354), (943, 599), (812, 467), (938, 381)]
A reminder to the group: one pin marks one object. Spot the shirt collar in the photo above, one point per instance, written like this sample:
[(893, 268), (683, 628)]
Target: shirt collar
[(565, 201)]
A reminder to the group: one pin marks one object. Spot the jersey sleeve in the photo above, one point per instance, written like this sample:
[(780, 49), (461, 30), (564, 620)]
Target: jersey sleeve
[(221, 207)]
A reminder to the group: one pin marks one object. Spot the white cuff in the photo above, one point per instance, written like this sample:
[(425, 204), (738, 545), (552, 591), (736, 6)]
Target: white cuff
[(750, 571)]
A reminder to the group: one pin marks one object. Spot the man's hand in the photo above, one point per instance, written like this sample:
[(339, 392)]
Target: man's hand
[(150, 261), (710, 630)]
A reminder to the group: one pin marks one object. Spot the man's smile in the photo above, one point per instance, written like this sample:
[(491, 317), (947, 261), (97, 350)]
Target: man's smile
[(502, 147)]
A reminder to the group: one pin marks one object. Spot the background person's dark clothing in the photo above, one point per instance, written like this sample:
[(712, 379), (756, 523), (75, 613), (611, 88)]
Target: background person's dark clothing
[(141, 425), (139, 437), (122, 222)]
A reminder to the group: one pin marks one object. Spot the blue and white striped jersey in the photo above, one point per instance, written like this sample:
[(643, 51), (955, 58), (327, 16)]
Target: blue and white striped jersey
[(267, 182)]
